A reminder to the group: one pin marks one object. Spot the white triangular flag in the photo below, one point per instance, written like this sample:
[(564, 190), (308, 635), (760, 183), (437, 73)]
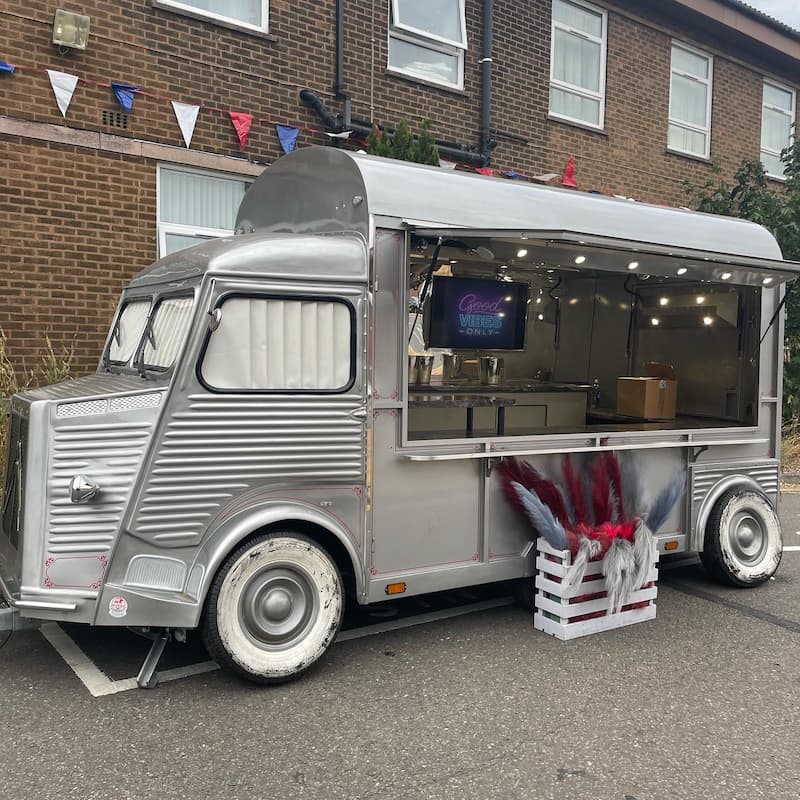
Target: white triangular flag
[(63, 88), (187, 118), (447, 164), (340, 135)]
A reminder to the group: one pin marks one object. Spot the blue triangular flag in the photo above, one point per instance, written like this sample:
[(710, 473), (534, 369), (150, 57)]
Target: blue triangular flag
[(287, 136), (124, 93), (4, 67), (514, 175)]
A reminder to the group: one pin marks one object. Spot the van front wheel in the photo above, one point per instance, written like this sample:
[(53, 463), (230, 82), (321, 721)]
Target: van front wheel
[(274, 608), (743, 544)]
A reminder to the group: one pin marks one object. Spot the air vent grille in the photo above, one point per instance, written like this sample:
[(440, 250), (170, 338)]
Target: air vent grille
[(115, 119)]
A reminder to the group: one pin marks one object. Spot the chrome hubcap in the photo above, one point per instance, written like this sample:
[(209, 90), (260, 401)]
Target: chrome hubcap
[(747, 538), (277, 606)]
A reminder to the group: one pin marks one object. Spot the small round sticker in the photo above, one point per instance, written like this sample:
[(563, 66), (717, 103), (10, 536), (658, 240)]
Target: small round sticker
[(118, 607)]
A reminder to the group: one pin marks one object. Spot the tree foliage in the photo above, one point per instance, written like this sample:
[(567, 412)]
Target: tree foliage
[(750, 196), (403, 145)]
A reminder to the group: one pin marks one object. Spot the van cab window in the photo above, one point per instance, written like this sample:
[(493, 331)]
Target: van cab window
[(166, 332), (127, 331), (281, 344)]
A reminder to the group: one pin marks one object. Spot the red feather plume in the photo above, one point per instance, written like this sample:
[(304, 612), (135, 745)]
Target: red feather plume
[(515, 471), (575, 490)]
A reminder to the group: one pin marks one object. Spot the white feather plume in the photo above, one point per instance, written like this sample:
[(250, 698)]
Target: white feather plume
[(587, 550), (619, 570), (644, 554)]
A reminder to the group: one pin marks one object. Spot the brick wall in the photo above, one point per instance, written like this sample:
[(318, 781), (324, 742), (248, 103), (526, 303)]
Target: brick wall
[(78, 221)]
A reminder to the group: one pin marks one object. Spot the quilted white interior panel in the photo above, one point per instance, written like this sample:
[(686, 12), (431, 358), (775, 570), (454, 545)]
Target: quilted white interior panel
[(129, 328), (169, 329), (266, 343)]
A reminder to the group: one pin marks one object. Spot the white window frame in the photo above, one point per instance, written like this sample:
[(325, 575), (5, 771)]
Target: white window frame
[(164, 228), (792, 114), (572, 88), (430, 41), (709, 82), (201, 13)]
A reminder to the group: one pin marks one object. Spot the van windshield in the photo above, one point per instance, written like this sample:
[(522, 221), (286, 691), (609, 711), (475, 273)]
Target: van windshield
[(166, 331), (148, 334), (128, 331)]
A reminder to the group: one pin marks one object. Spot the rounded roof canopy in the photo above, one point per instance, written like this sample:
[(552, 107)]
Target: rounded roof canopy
[(317, 189)]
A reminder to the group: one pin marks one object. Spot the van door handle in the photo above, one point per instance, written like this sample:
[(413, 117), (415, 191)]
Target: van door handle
[(359, 413)]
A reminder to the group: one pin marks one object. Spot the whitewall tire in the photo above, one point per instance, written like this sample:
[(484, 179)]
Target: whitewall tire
[(743, 543), (274, 608)]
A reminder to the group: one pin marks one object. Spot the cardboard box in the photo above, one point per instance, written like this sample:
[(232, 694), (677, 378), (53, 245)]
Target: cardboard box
[(650, 397)]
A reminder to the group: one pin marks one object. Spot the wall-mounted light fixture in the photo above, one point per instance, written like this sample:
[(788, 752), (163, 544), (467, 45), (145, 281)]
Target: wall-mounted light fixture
[(70, 30)]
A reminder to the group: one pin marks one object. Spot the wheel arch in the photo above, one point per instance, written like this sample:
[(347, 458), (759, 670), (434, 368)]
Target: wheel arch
[(309, 520), (714, 494)]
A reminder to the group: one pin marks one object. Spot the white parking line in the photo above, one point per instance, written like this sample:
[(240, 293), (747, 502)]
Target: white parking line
[(100, 685)]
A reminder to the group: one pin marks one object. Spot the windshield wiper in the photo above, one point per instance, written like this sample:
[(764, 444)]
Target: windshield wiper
[(149, 337)]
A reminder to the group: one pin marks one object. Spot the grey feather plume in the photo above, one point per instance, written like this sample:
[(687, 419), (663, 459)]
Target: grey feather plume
[(619, 569), (541, 518), (644, 553), (612, 503), (586, 483), (587, 550), (632, 494), (665, 500)]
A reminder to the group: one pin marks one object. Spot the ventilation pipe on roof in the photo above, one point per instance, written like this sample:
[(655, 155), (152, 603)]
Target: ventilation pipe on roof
[(449, 150)]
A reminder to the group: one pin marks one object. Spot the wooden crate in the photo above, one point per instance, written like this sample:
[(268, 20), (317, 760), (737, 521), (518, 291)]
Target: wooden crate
[(585, 610)]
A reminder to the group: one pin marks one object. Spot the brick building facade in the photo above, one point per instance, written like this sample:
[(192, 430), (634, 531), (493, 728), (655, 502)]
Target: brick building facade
[(91, 198)]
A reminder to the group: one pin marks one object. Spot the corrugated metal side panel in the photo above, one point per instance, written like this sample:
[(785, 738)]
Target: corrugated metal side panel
[(224, 445), (108, 452)]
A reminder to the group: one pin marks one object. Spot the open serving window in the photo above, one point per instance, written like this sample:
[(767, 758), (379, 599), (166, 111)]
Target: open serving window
[(520, 334)]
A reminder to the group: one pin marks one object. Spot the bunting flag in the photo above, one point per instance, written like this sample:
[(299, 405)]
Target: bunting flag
[(568, 176), (241, 123), (514, 175), (7, 68), (484, 170), (63, 88), (287, 136), (447, 164), (340, 135), (124, 93), (187, 119)]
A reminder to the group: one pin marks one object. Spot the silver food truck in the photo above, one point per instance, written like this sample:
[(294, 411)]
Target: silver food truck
[(257, 448)]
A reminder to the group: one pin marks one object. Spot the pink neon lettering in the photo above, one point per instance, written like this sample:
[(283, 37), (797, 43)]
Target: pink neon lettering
[(471, 305)]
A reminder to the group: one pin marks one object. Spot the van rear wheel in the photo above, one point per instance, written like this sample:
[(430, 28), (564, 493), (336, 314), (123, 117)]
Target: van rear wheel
[(274, 608), (743, 543)]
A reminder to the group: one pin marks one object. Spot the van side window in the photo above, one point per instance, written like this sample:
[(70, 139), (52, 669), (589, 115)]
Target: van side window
[(281, 344)]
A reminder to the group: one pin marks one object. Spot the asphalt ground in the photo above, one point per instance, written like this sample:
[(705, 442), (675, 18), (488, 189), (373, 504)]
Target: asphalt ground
[(702, 702)]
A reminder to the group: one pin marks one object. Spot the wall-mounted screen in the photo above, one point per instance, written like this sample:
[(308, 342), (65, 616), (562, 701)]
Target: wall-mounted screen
[(477, 314)]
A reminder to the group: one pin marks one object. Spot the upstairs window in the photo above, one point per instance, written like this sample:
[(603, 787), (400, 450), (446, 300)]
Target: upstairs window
[(194, 205), (578, 63), (427, 40), (777, 120), (690, 102), (251, 14)]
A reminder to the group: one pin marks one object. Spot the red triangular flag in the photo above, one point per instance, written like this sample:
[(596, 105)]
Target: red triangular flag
[(568, 176), (484, 170), (241, 122)]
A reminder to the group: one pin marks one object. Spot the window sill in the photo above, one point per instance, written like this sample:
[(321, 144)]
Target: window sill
[(573, 123), (199, 15), (775, 178), (690, 156), (396, 73)]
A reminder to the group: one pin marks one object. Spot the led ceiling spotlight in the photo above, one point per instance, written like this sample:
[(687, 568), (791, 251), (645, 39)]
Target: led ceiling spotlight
[(580, 259), (633, 265), (521, 253), (70, 30), (682, 270)]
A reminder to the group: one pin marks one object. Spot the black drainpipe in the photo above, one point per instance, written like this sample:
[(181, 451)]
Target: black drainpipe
[(487, 144), (448, 150)]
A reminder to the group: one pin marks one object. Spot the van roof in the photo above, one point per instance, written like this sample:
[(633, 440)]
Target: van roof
[(317, 189)]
